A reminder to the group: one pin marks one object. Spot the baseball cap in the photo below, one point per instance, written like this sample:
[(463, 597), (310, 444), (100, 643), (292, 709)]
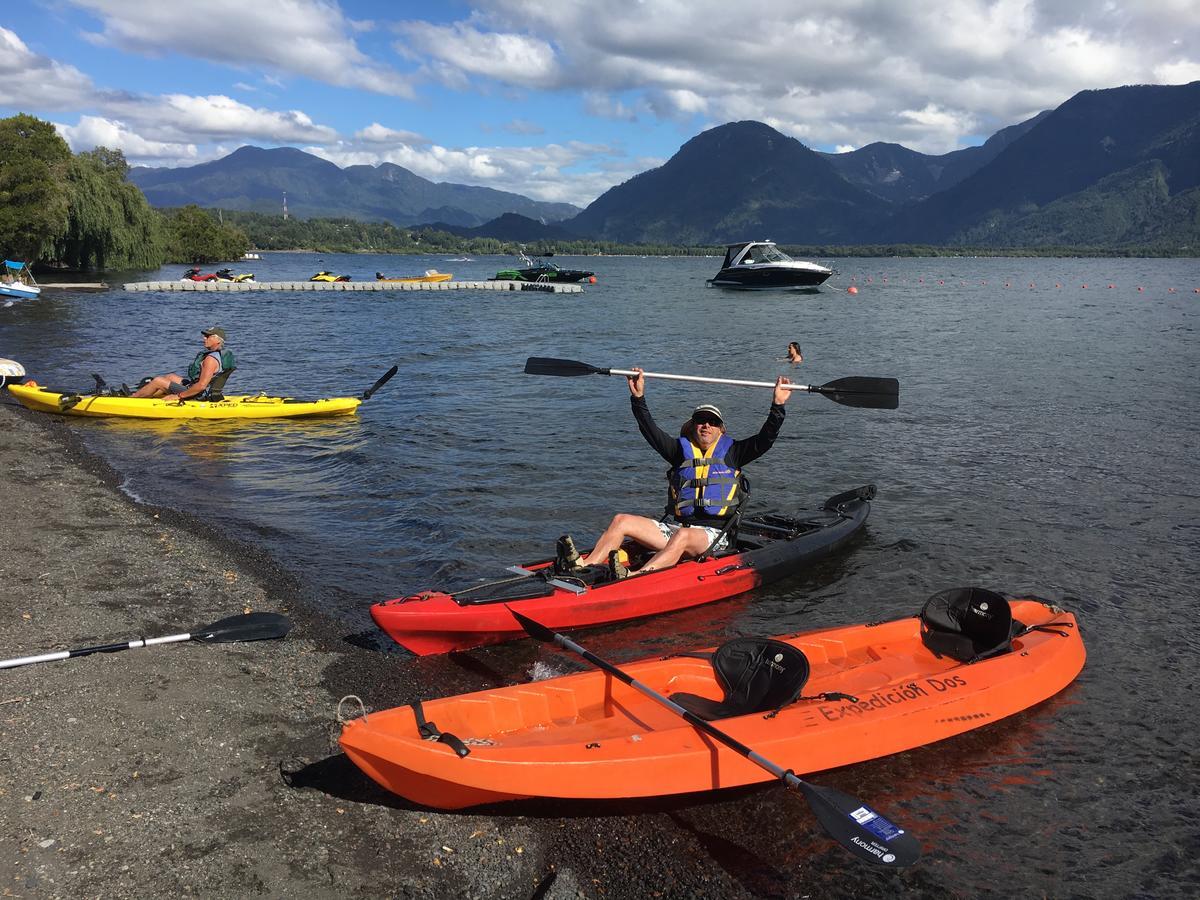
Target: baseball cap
[(710, 410), (216, 329)]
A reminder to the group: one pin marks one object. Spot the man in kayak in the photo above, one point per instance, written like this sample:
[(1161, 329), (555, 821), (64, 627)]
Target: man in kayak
[(211, 362), (706, 486)]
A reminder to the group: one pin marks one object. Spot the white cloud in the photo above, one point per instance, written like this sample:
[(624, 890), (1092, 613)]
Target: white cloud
[(380, 134), (311, 38), (93, 131), (462, 50), (827, 71), (181, 117), (29, 81)]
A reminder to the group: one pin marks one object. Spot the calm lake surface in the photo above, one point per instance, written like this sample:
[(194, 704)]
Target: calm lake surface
[(1046, 443)]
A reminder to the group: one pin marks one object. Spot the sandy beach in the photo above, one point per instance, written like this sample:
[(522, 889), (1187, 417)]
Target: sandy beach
[(211, 769)]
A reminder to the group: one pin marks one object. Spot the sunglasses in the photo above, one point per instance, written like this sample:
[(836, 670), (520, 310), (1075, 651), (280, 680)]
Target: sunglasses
[(707, 420)]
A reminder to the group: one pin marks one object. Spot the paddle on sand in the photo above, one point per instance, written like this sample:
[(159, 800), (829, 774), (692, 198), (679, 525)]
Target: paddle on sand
[(856, 390), (260, 626), (847, 820)]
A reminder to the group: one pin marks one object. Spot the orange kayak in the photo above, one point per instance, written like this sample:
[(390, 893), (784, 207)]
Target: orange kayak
[(872, 690)]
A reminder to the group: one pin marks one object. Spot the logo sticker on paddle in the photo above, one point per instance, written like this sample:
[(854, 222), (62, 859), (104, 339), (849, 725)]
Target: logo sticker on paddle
[(875, 823)]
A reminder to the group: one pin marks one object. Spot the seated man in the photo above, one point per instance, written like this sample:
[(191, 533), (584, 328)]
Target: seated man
[(209, 365), (706, 486)]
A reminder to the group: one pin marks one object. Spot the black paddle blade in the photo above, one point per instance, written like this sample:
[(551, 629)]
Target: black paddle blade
[(860, 829), (262, 626), (383, 379), (863, 392), (541, 365), (535, 630)]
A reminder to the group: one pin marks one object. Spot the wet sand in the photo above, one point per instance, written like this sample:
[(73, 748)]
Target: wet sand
[(212, 769)]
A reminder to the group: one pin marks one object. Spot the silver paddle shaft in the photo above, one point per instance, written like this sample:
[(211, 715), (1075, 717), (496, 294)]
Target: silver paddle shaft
[(107, 648), (629, 373)]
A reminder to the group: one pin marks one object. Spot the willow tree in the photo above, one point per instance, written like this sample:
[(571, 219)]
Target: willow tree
[(109, 225), (33, 190)]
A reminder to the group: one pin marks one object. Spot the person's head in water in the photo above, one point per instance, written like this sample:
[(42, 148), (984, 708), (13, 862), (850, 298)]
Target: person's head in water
[(794, 355), (706, 426)]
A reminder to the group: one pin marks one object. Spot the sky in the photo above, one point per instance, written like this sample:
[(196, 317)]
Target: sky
[(560, 100)]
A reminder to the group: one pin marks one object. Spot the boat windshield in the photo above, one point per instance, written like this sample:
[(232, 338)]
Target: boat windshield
[(771, 253)]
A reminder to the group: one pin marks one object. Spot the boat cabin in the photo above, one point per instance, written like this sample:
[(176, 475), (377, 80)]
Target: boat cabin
[(749, 253)]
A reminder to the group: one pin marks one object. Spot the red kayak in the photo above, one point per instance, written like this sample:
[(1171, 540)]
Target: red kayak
[(768, 547)]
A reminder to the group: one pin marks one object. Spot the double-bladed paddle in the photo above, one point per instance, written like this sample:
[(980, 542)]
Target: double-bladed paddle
[(856, 390), (847, 820), (259, 626)]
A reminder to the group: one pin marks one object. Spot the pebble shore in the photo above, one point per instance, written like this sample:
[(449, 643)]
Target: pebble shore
[(212, 770)]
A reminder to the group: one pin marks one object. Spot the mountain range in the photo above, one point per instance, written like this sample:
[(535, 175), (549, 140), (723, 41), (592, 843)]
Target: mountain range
[(256, 180), (1108, 168)]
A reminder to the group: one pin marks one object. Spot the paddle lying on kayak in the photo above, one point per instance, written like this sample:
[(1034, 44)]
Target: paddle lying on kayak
[(855, 390), (847, 820), (261, 626)]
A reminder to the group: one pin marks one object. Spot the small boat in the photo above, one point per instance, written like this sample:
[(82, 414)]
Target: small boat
[(35, 397), (767, 547), (431, 276), (760, 265), (251, 256), (17, 281), (840, 696), (329, 276), (543, 271)]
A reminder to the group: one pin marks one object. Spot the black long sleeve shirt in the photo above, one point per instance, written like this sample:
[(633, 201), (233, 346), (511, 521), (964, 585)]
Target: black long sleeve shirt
[(742, 452)]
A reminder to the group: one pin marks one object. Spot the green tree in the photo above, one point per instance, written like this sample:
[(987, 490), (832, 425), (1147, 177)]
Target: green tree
[(194, 236), (33, 189), (109, 224)]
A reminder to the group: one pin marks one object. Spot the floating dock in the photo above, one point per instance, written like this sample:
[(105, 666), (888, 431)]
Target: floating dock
[(241, 286)]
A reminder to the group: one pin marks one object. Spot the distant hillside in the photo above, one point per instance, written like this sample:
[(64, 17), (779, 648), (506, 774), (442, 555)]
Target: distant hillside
[(1096, 145), (738, 181), (508, 227), (900, 175), (254, 179)]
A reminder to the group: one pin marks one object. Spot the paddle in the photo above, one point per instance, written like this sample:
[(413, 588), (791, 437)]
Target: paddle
[(860, 391), (849, 821), (383, 379), (249, 627)]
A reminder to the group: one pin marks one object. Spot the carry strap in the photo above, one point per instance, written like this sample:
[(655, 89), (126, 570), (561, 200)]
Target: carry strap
[(429, 731)]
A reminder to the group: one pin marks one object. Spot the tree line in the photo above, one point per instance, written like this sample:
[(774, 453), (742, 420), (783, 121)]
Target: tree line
[(79, 210)]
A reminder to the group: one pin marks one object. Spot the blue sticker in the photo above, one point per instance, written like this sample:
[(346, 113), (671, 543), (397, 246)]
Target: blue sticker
[(876, 824)]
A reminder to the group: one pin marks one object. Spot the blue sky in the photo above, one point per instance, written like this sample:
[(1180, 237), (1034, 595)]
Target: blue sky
[(561, 100)]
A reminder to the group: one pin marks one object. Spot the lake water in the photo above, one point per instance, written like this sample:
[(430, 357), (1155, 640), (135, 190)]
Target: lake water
[(1045, 443)]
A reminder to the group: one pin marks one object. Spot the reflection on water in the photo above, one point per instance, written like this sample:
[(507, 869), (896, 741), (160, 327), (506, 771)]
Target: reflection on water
[(1045, 444)]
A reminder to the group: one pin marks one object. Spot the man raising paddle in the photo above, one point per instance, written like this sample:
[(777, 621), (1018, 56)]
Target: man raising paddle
[(706, 486)]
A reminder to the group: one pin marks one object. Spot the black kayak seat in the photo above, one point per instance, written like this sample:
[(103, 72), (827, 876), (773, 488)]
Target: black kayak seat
[(217, 385), (968, 623), (756, 674)]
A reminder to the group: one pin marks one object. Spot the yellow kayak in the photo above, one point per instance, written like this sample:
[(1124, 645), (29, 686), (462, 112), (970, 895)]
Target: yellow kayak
[(431, 276), (229, 407)]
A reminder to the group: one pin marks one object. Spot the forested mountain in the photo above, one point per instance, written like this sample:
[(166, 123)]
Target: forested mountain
[(900, 175), (737, 181), (1126, 161), (255, 180)]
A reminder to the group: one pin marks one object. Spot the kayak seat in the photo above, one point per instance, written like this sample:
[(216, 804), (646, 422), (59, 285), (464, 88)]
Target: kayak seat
[(968, 624), (218, 384), (756, 674)]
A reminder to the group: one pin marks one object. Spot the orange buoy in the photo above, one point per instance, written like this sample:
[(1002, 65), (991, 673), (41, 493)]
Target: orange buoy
[(1140, 289), (592, 279), (1085, 286), (852, 290), (1111, 286)]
